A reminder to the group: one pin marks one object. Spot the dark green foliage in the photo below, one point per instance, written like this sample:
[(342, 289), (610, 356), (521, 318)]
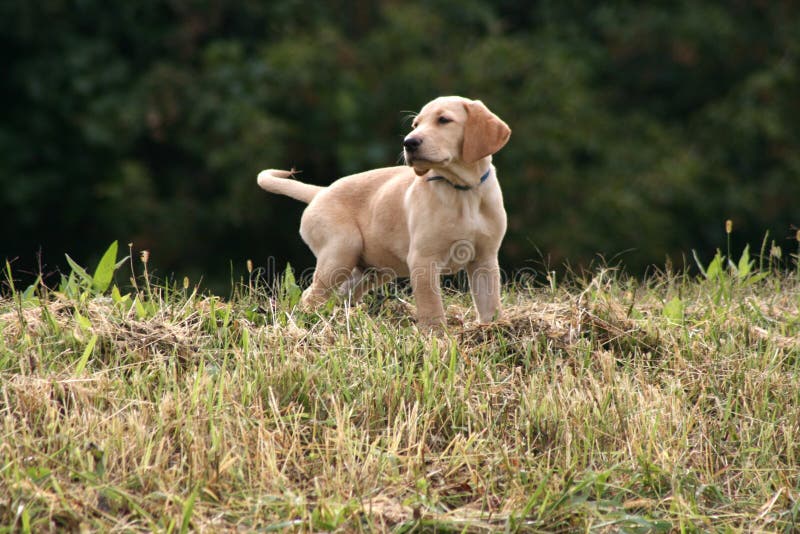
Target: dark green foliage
[(638, 128)]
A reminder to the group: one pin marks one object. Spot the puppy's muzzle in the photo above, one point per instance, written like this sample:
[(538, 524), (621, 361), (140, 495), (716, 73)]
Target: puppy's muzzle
[(411, 145)]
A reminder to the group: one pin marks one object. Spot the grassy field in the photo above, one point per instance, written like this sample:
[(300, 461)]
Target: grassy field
[(602, 404)]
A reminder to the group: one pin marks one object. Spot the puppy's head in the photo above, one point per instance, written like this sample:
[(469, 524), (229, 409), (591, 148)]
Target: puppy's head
[(453, 129)]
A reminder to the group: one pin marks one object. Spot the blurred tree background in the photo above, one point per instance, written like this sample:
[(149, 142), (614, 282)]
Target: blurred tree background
[(638, 128)]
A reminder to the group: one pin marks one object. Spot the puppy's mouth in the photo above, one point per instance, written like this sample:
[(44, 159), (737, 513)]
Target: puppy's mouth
[(414, 161)]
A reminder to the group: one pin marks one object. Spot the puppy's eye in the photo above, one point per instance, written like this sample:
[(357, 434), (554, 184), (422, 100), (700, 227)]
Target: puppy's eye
[(444, 120)]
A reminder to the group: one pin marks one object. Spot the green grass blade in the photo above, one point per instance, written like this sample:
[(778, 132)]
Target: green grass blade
[(77, 269), (104, 272), (85, 356), (188, 508), (745, 265), (10, 277), (699, 264)]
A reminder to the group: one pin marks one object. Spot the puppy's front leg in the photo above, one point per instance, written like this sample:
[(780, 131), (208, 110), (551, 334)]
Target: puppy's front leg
[(484, 284), (425, 285)]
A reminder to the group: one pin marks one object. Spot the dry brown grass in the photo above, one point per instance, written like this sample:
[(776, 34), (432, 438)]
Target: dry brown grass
[(585, 407)]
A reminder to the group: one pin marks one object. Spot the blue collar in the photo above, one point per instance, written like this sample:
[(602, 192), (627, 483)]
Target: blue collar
[(457, 186)]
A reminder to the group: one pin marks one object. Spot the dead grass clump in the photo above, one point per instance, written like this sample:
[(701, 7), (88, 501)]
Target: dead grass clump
[(32, 319), (525, 328), (562, 325), (118, 332)]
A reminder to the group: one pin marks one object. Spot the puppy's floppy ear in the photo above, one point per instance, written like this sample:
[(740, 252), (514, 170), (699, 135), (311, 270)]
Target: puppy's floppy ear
[(484, 132)]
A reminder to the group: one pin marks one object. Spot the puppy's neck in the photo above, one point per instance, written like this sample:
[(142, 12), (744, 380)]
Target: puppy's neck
[(463, 176)]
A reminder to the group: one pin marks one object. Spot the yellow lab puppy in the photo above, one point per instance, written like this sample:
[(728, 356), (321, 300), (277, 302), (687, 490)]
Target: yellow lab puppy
[(440, 214)]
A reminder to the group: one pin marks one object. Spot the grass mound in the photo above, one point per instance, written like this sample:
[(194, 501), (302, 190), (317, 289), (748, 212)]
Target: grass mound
[(610, 404)]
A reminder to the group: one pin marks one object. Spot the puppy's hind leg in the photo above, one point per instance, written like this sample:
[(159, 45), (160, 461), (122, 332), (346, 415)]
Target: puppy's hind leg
[(336, 262), (351, 288), (362, 282)]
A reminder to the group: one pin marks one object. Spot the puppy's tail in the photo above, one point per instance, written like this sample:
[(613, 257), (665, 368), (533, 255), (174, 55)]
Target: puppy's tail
[(276, 181)]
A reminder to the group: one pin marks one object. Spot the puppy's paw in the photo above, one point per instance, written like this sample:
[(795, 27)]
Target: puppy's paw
[(312, 300), (431, 324), (496, 318)]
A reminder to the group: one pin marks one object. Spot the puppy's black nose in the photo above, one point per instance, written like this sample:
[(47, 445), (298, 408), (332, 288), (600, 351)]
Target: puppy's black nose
[(412, 143)]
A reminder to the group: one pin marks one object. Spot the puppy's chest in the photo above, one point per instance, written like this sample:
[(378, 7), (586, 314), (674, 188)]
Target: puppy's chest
[(470, 220), (468, 223), (466, 232)]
